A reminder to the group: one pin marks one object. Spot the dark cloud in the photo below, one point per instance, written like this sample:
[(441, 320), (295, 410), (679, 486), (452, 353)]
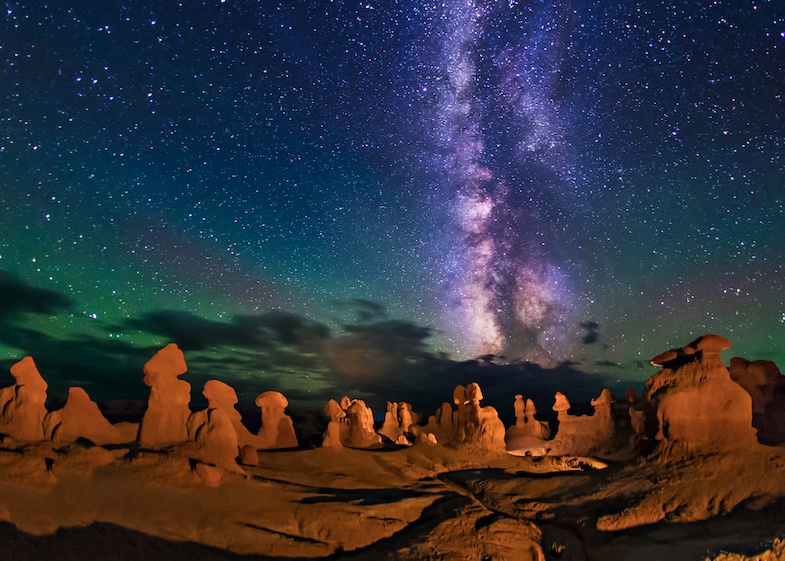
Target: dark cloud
[(376, 359), (192, 332), (592, 334), (18, 298), (368, 310), (608, 363), (106, 368)]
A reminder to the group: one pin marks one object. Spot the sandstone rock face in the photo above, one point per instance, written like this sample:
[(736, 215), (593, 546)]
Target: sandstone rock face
[(22, 404), (167, 414), (477, 426), (527, 435), (216, 441), (693, 401), (441, 425), (391, 427), (80, 418), (335, 414), (398, 421), (359, 418), (766, 386), (223, 397), (585, 435), (350, 425), (277, 429)]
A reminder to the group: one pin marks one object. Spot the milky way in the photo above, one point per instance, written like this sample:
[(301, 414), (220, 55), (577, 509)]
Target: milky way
[(506, 160), (321, 196)]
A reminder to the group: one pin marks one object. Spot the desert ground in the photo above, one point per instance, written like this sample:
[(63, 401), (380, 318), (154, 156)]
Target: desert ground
[(685, 483)]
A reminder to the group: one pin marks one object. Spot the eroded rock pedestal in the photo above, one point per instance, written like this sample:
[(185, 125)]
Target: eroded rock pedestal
[(166, 418), (694, 404)]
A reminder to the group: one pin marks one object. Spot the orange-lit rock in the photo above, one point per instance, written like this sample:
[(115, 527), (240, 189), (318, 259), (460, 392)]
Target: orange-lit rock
[(694, 403), (585, 435), (216, 441), (766, 386), (277, 428), (398, 421), (80, 418), (360, 421), (335, 414), (223, 397), (167, 414), (527, 435), (23, 404)]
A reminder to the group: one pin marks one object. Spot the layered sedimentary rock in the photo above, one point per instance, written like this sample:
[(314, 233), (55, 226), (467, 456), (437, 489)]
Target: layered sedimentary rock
[(693, 402), (398, 421), (359, 419), (350, 425), (216, 441), (477, 426)]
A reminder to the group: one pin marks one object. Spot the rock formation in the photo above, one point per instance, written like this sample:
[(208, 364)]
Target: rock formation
[(476, 426), (391, 427), (527, 435), (693, 402), (222, 396), (277, 430), (167, 414), (398, 422), (216, 441), (80, 418), (359, 418), (335, 414), (766, 386), (441, 425), (585, 435), (23, 404)]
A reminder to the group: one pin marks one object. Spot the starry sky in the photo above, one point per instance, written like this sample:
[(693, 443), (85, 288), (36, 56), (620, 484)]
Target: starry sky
[(327, 197)]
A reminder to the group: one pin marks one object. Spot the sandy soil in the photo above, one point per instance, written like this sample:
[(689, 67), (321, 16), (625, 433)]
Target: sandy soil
[(426, 502)]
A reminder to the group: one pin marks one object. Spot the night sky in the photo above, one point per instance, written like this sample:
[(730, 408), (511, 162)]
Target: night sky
[(357, 197)]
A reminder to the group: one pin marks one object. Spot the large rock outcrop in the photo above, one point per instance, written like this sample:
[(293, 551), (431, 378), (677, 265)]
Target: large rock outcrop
[(766, 386), (694, 404)]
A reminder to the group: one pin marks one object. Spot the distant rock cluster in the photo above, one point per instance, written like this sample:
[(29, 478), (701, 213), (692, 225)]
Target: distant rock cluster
[(694, 405)]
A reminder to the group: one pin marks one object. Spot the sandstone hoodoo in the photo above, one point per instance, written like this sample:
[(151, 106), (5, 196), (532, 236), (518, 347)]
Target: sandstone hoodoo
[(222, 397), (23, 404), (166, 418), (693, 402), (277, 429), (686, 451)]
